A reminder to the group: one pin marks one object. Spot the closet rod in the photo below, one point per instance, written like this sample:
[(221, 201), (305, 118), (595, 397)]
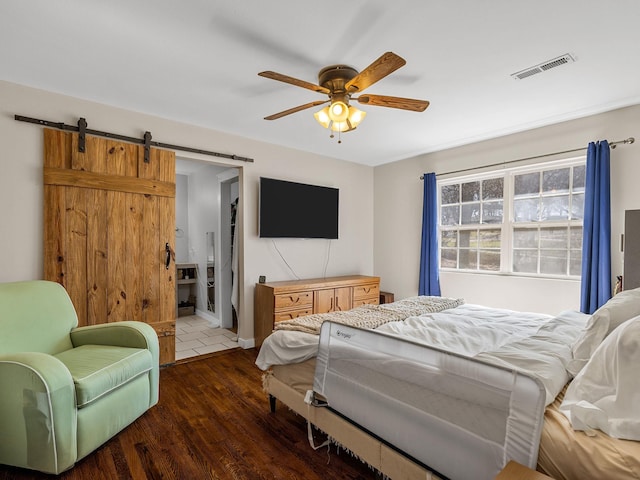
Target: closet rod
[(613, 145), (116, 136)]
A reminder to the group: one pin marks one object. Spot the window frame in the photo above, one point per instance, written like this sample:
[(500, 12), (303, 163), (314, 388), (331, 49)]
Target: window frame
[(508, 225)]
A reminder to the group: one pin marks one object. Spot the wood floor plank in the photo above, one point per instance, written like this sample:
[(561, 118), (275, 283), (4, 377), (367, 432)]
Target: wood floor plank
[(212, 422)]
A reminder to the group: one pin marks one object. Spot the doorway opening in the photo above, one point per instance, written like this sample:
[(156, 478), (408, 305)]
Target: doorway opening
[(207, 196)]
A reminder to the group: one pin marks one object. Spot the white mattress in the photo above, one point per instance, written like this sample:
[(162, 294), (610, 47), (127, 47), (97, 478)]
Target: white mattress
[(533, 343)]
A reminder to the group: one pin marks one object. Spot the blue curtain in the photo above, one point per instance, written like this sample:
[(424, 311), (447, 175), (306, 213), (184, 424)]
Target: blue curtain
[(429, 275), (596, 239)]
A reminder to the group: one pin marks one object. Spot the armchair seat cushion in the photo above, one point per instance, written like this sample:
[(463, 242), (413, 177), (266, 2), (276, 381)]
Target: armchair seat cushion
[(99, 369)]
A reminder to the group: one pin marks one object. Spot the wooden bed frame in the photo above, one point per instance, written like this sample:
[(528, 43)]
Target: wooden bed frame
[(365, 446)]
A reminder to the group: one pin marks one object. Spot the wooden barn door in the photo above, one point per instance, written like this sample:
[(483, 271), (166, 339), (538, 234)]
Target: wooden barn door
[(109, 220)]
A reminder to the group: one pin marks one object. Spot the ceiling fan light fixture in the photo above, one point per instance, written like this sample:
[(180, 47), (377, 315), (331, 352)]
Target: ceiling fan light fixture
[(322, 116), (341, 126), (355, 116), (338, 111), (351, 120)]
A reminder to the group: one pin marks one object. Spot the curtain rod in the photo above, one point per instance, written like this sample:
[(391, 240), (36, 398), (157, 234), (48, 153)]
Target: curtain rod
[(146, 141), (613, 145)]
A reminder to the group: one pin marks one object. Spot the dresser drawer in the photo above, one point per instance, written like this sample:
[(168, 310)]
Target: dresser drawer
[(366, 291), (366, 301), (291, 314), (295, 299)]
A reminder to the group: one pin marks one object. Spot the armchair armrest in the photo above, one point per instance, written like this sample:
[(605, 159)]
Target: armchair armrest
[(122, 334), (37, 412), (131, 334)]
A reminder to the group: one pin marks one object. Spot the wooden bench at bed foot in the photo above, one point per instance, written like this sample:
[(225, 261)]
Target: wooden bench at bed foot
[(515, 471)]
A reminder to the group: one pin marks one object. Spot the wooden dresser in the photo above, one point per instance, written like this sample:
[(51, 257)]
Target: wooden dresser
[(278, 301)]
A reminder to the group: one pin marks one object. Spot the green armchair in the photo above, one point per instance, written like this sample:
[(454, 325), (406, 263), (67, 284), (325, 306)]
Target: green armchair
[(64, 389)]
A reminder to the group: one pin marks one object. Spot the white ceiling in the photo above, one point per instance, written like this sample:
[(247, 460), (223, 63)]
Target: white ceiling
[(196, 61)]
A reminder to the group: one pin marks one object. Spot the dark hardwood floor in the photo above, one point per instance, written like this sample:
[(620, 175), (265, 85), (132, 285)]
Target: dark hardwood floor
[(212, 422)]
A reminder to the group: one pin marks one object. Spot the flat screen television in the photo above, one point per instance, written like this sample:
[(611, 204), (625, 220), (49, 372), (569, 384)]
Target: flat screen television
[(297, 210)]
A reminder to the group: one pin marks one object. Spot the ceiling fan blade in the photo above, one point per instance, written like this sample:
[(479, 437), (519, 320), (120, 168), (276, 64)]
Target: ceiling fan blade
[(387, 63), (293, 81), (393, 102), (275, 116)]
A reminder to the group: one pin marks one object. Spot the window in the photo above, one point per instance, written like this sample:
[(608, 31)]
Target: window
[(470, 217), (524, 221)]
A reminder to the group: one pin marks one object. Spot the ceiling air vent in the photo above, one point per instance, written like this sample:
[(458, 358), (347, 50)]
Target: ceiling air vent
[(543, 67)]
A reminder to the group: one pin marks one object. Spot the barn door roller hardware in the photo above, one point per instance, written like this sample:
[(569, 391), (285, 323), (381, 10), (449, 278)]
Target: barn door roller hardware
[(147, 146), (82, 130)]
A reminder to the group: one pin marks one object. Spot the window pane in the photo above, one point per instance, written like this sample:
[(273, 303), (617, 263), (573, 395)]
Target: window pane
[(470, 213), (469, 259), (555, 208), (450, 215), (450, 194), (575, 262), (490, 260), (471, 192), (525, 261), (577, 206), (525, 210), (527, 184), (553, 262), (556, 180), (525, 238), (468, 238), (492, 188), (579, 175), (575, 237), (553, 238), (489, 238), (448, 258), (492, 212), (449, 239)]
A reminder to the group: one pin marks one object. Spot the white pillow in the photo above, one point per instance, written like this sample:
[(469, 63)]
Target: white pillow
[(606, 393), (616, 311)]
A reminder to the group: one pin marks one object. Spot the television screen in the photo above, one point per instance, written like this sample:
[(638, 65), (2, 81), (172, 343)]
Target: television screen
[(297, 210)]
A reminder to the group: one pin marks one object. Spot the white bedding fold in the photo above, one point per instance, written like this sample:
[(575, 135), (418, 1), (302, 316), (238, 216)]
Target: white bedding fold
[(604, 395)]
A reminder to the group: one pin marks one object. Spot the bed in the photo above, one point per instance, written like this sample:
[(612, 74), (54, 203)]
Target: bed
[(491, 387)]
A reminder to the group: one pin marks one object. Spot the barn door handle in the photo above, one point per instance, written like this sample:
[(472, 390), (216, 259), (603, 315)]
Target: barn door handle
[(167, 250)]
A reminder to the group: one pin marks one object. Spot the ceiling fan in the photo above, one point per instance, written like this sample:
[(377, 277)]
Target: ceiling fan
[(340, 83)]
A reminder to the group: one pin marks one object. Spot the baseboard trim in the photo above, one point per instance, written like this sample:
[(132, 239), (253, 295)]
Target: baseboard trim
[(246, 343)]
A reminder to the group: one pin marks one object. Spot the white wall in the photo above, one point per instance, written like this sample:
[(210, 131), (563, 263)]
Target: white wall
[(21, 191), (203, 217), (398, 210), (182, 218)]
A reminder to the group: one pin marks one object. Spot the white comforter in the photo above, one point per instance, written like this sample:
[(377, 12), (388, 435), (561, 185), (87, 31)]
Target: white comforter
[(534, 343)]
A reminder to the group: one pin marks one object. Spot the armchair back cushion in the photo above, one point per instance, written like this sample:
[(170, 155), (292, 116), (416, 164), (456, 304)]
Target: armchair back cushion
[(34, 319)]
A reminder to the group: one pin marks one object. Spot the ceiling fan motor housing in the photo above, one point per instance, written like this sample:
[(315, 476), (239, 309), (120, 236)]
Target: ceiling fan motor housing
[(335, 77)]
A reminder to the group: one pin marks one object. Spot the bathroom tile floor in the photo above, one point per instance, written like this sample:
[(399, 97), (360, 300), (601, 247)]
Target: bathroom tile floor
[(195, 336)]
